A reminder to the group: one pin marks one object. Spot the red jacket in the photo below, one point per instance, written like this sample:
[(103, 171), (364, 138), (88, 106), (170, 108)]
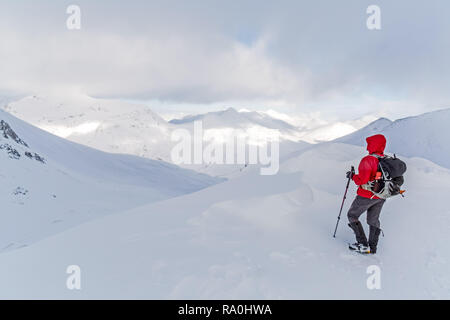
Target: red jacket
[(369, 164)]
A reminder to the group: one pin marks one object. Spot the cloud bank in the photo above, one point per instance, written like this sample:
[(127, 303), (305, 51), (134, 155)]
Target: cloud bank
[(301, 56)]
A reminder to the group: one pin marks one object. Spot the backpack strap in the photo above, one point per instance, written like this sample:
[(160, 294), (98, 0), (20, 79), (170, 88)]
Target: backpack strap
[(377, 156), (368, 186)]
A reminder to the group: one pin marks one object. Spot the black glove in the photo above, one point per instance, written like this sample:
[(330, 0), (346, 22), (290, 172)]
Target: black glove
[(349, 174)]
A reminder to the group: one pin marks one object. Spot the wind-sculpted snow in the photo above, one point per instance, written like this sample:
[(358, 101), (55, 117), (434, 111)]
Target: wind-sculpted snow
[(253, 237)]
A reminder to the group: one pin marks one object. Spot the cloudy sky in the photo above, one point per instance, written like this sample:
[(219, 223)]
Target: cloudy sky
[(291, 56)]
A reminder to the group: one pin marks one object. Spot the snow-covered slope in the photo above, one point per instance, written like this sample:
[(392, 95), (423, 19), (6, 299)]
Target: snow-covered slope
[(107, 125), (49, 184), (251, 237), (359, 137), (327, 132), (425, 136)]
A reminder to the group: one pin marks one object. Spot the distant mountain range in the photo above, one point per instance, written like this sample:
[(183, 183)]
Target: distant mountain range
[(120, 127)]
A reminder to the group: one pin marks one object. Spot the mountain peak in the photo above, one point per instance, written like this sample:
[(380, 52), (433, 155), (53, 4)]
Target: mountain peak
[(380, 123), (230, 110)]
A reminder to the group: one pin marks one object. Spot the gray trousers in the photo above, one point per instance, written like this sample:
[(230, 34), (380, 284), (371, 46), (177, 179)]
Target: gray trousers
[(361, 205)]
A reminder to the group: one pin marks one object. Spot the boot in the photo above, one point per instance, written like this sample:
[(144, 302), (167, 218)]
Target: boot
[(361, 240), (374, 235)]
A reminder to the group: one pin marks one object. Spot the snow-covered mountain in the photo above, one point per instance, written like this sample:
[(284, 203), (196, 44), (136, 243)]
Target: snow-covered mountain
[(107, 125), (256, 127), (253, 237), (120, 127), (425, 136), (308, 129), (243, 120), (49, 184)]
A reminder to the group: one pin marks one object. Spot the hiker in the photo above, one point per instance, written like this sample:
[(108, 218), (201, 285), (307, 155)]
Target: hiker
[(366, 200)]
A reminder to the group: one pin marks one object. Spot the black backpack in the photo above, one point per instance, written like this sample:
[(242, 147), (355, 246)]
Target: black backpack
[(389, 177)]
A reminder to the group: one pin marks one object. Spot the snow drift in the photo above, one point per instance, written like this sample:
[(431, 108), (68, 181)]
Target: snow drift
[(253, 237)]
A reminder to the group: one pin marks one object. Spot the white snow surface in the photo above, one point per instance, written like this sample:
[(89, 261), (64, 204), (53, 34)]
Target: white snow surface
[(253, 237), (74, 183), (425, 136), (179, 234)]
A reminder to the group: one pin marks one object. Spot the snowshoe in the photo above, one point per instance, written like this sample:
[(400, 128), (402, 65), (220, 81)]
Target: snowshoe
[(360, 248)]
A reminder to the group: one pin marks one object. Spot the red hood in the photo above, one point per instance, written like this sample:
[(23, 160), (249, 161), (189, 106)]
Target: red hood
[(376, 144)]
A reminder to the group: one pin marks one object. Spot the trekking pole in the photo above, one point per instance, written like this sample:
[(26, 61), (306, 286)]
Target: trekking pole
[(343, 200)]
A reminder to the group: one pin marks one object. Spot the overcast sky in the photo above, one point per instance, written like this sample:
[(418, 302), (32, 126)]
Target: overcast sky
[(292, 56)]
